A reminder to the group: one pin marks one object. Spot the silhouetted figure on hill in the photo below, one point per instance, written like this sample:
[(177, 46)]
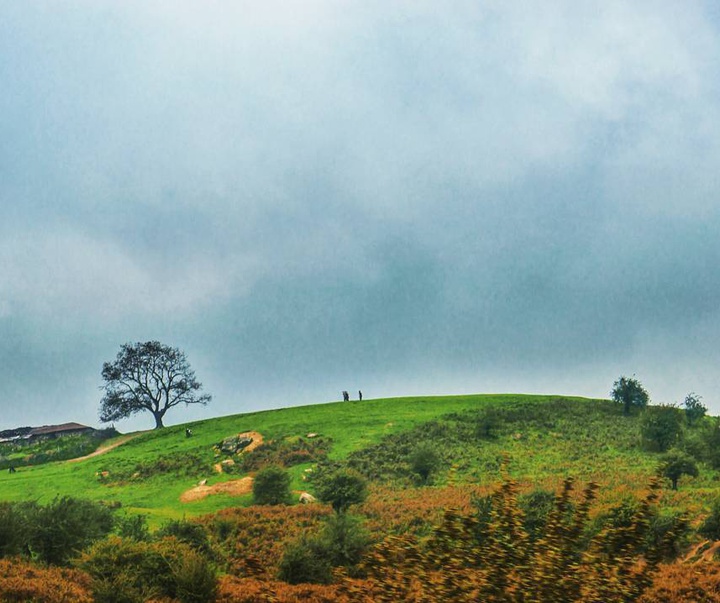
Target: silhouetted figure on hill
[(346, 396), (360, 395)]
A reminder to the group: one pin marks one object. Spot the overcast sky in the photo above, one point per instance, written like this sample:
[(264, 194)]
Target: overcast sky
[(411, 197)]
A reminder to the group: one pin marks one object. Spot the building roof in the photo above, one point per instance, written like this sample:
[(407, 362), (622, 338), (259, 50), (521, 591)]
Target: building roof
[(52, 429)]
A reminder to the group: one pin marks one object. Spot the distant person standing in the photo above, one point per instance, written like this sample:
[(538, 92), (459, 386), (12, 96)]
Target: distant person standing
[(360, 395), (346, 396)]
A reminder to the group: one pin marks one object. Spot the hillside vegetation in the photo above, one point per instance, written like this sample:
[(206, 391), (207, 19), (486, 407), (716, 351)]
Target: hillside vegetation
[(541, 439), (440, 471)]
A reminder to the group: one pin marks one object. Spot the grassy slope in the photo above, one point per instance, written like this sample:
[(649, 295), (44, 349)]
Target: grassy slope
[(591, 442)]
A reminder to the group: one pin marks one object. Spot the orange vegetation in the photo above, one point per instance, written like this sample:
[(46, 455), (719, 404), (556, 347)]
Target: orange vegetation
[(21, 581)]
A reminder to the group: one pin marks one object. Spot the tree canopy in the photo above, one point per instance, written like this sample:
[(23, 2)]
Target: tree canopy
[(148, 377), (629, 392)]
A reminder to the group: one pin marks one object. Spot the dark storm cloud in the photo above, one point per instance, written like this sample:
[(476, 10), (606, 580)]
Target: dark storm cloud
[(410, 198)]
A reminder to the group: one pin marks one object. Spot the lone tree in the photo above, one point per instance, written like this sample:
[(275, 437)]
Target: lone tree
[(149, 377), (676, 464), (629, 392), (342, 489), (694, 408)]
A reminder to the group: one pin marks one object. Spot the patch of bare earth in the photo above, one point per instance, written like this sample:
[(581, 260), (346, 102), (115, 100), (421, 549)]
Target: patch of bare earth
[(236, 487)]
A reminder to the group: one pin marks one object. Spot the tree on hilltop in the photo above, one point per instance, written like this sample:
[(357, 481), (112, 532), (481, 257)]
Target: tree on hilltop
[(694, 408), (148, 377), (629, 392)]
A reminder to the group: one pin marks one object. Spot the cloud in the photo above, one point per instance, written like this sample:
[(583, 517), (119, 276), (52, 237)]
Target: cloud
[(438, 196)]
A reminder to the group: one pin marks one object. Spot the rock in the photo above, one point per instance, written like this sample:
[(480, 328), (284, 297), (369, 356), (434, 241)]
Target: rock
[(235, 444), (312, 435), (307, 498), (202, 482)]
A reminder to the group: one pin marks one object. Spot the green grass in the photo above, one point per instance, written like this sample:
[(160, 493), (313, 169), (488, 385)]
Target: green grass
[(545, 438)]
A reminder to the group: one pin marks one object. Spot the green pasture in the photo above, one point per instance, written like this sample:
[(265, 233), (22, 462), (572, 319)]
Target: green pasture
[(350, 425), (542, 439)]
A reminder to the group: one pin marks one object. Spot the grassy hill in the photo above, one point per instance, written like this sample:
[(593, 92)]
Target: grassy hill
[(538, 439)]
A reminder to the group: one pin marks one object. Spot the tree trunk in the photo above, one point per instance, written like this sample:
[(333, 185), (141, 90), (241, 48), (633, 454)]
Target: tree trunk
[(674, 483), (158, 420)]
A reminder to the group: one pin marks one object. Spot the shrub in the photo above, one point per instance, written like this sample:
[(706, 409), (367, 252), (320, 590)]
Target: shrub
[(271, 486), (21, 582), (506, 566), (192, 534), (58, 531), (13, 529), (133, 527), (126, 571), (343, 540), (424, 461), (661, 427), (304, 561), (342, 489), (340, 543), (536, 507)]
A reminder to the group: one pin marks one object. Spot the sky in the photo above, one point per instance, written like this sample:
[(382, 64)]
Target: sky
[(408, 198)]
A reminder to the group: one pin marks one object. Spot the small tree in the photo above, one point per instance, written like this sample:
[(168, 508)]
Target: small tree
[(629, 392), (694, 408), (342, 489), (271, 486), (675, 465), (661, 427), (149, 377)]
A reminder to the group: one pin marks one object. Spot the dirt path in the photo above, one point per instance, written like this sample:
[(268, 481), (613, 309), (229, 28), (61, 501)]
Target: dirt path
[(104, 449)]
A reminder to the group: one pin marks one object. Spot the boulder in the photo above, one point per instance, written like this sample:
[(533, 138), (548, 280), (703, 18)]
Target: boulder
[(235, 444)]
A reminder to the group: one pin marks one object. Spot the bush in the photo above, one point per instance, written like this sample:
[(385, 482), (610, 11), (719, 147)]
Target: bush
[(21, 582), (304, 561), (342, 489), (343, 540), (57, 532), (340, 543), (424, 461), (126, 571), (192, 534), (536, 506), (271, 486), (13, 529), (560, 565), (661, 427), (133, 527)]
